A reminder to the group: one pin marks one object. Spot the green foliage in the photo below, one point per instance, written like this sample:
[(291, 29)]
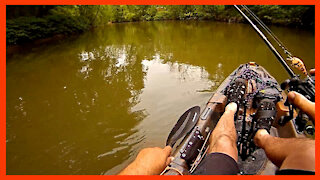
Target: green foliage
[(162, 15), (24, 29), (203, 12), (301, 15), (29, 23), (150, 13)]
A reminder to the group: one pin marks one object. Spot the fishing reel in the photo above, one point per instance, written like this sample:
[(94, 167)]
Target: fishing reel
[(306, 87)]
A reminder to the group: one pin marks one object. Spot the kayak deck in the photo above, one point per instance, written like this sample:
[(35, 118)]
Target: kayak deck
[(252, 160)]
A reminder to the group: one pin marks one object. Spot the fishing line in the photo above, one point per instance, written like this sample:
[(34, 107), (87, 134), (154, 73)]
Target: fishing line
[(268, 30), (271, 47), (295, 61)]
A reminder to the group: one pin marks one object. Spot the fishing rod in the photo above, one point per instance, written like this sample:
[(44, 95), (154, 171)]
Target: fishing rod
[(295, 61), (266, 28), (190, 135), (271, 47), (305, 87)]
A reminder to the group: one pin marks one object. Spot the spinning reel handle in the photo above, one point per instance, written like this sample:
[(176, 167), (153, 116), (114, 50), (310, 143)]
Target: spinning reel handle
[(305, 87)]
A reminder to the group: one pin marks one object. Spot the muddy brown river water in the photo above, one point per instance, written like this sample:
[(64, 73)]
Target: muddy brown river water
[(88, 104)]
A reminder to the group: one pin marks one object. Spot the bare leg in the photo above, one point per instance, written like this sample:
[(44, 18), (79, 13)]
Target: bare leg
[(287, 153), (223, 138)]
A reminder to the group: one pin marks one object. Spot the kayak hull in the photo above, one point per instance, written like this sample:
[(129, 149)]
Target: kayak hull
[(258, 83)]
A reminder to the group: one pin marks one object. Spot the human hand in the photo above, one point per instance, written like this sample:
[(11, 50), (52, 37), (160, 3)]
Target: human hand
[(150, 161), (231, 109), (302, 103), (312, 72)]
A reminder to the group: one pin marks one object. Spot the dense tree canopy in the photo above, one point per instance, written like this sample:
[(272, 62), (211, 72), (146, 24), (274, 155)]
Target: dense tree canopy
[(28, 23)]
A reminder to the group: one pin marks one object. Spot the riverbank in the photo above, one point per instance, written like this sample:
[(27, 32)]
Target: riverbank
[(62, 21)]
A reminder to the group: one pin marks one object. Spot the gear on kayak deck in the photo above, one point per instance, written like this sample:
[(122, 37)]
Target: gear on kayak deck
[(265, 115), (259, 97), (235, 92), (256, 93)]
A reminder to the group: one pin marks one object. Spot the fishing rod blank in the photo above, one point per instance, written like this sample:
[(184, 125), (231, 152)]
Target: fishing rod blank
[(268, 30), (271, 47), (294, 60)]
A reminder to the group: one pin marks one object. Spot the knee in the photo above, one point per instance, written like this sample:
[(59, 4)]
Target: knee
[(261, 137)]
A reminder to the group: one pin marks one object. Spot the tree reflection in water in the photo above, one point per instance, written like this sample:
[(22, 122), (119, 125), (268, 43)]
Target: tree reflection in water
[(89, 103)]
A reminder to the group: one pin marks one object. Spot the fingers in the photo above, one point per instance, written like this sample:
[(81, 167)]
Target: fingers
[(229, 112), (231, 108), (169, 160), (312, 72), (167, 150), (302, 103)]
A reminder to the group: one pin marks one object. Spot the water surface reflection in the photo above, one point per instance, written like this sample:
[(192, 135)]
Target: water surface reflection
[(88, 104)]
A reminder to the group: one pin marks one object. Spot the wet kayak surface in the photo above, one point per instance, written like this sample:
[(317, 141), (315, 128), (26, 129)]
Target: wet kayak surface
[(88, 104)]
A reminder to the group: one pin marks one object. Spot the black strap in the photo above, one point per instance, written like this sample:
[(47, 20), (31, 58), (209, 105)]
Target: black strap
[(294, 172), (265, 113)]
